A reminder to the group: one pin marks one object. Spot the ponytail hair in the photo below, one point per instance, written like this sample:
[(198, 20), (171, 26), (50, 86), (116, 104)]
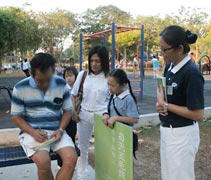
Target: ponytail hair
[(122, 79), (175, 36), (131, 91)]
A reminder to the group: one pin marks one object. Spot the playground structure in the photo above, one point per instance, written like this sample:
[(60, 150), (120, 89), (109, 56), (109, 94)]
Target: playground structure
[(111, 32), (204, 64)]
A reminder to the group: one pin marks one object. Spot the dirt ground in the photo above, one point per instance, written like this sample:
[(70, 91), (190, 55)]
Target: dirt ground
[(147, 167)]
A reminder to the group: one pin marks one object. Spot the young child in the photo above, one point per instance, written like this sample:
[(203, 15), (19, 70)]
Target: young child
[(70, 74), (122, 106)]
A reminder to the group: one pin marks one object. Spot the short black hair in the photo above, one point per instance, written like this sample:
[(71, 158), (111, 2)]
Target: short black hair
[(71, 69), (175, 36), (103, 54), (42, 61)]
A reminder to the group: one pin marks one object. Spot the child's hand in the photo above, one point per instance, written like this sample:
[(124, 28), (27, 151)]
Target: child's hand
[(105, 119), (111, 121)]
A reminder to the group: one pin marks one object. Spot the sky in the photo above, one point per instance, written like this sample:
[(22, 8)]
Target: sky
[(134, 7)]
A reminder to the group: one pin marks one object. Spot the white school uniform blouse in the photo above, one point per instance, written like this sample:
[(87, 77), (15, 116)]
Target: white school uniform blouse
[(95, 92)]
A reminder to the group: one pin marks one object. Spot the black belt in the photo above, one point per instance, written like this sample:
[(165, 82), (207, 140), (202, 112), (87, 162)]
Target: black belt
[(176, 126)]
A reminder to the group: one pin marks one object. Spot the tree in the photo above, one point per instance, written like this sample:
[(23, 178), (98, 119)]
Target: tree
[(28, 33), (195, 20), (125, 40), (190, 16), (7, 28), (18, 31), (204, 43), (100, 19), (153, 26), (55, 28)]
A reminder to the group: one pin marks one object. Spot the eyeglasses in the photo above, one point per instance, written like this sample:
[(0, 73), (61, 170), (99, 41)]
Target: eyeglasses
[(166, 49)]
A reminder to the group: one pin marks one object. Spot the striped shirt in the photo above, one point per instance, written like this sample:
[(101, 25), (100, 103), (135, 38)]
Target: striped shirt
[(41, 110)]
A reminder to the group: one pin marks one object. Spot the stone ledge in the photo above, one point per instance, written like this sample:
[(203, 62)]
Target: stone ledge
[(9, 137), (153, 119)]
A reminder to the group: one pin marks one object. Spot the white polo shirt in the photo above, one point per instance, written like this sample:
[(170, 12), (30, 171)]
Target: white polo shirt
[(26, 65), (95, 91)]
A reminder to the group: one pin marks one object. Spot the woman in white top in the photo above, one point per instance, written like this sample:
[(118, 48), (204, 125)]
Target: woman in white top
[(95, 100)]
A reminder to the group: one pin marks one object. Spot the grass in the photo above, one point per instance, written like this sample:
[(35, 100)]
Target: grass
[(152, 130), (149, 130)]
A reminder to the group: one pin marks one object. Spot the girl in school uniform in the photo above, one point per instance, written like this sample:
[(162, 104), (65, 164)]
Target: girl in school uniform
[(122, 105), (179, 115), (95, 100)]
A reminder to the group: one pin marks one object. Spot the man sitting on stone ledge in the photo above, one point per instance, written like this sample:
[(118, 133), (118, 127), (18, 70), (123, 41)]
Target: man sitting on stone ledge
[(41, 108)]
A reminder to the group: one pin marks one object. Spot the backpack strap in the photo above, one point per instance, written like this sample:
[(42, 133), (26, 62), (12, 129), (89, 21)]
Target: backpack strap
[(116, 109), (109, 104), (135, 136)]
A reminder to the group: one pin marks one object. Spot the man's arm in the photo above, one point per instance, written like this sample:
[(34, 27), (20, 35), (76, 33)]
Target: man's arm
[(65, 119), (38, 135), (63, 124)]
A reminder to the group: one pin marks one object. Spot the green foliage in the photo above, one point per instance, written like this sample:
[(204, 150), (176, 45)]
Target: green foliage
[(127, 39), (22, 31), (99, 19), (18, 31), (55, 28)]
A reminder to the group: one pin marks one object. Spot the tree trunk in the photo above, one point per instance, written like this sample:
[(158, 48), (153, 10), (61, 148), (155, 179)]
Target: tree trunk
[(138, 50), (117, 54), (125, 53)]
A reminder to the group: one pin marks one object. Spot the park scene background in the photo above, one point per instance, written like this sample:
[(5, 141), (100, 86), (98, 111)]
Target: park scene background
[(24, 30)]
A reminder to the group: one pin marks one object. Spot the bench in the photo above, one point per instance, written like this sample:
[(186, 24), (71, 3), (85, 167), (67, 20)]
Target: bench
[(12, 156), (7, 89)]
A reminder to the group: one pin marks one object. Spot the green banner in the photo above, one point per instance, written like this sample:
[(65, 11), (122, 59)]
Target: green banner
[(113, 151)]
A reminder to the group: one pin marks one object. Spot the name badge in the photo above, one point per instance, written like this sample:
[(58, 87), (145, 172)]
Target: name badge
[(170, 90)]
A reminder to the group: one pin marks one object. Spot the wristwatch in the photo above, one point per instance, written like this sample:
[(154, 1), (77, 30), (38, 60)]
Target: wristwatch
[(61, 129), (165, 107)]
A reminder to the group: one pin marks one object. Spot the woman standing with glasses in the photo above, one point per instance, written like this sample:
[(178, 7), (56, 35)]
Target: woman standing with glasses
[(179, 115), (95, 101)]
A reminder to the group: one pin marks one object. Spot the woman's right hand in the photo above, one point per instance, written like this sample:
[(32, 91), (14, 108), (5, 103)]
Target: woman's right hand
[(160, 109), (105, 119)]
